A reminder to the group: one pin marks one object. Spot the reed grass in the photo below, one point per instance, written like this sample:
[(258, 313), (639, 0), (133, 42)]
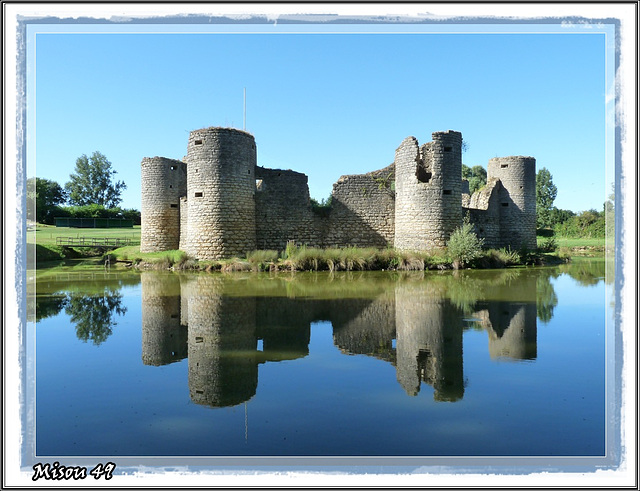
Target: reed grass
[(299, 257)]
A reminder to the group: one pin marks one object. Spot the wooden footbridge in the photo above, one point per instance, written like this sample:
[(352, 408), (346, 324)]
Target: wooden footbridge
[(100, 242)]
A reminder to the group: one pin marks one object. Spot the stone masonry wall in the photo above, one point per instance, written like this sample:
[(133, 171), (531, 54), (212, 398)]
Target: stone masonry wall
[(218, 204), (163, 182), (283, 209), (484, 212), (517, 199), (221, 186), (184, 222), (362, 210), (428, 191)]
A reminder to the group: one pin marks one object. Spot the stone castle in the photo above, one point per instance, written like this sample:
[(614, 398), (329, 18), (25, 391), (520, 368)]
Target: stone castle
[(218, 203)]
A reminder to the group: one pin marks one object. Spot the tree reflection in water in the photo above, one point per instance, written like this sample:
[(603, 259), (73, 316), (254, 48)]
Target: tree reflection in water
[(590, 272), (49, 305), (547, 300), (94, 315)]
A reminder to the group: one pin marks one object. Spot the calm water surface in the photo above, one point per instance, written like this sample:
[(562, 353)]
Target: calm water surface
[(478, 363)]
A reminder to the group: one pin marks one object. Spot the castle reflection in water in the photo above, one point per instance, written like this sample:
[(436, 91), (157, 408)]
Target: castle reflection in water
[(226, 327)]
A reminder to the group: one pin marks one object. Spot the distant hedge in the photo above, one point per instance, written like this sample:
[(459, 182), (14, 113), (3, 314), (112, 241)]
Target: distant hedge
[(587, 224), (94, 211)]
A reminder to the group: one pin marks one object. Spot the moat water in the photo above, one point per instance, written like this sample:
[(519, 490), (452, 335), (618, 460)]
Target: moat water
[(471, 363)]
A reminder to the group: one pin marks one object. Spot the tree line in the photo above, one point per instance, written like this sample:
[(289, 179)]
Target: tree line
[(565, 223), (91, 192)]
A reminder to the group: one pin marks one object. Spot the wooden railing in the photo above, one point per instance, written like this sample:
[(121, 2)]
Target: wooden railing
[(92, 241)]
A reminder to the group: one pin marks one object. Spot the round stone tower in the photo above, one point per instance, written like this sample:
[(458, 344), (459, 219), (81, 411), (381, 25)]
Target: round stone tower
[(428, 191), (163, 182), (517, 199), (221, 187)]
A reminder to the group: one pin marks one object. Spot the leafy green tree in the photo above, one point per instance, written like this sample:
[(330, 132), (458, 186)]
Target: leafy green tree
[(546, 193), (92, 182), (99, 211), (589, 223), (323, 207), (558, 216), (476, 175), (43, 197), (130, 214)]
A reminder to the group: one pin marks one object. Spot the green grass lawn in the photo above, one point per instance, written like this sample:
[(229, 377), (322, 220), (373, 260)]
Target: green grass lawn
[(579, 242), (41, 241), (46, 235)]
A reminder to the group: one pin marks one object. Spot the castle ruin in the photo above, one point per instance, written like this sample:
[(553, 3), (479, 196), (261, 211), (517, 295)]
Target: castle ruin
[(218, 203)]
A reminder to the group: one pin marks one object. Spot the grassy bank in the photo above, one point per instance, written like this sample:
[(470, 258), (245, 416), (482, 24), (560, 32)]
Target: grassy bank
[(302, 258), (46, 235), (574, 247), (573, 242), (42, 241)]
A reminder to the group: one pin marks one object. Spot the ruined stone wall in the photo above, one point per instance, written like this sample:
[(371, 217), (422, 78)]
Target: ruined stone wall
[(283, 209), (184, 222), (466, 193), (163, 182), (484, 212), (220, 193), (362, 210), (428, 191), (517, 200), (219, 204)]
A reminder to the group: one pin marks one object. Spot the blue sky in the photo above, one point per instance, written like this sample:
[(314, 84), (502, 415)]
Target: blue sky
[(325, 100)]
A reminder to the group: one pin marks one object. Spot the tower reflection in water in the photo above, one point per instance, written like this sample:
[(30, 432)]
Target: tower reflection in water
[(227, 326)]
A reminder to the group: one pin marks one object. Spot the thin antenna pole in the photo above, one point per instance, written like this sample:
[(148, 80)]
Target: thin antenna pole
[(244, 119)]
